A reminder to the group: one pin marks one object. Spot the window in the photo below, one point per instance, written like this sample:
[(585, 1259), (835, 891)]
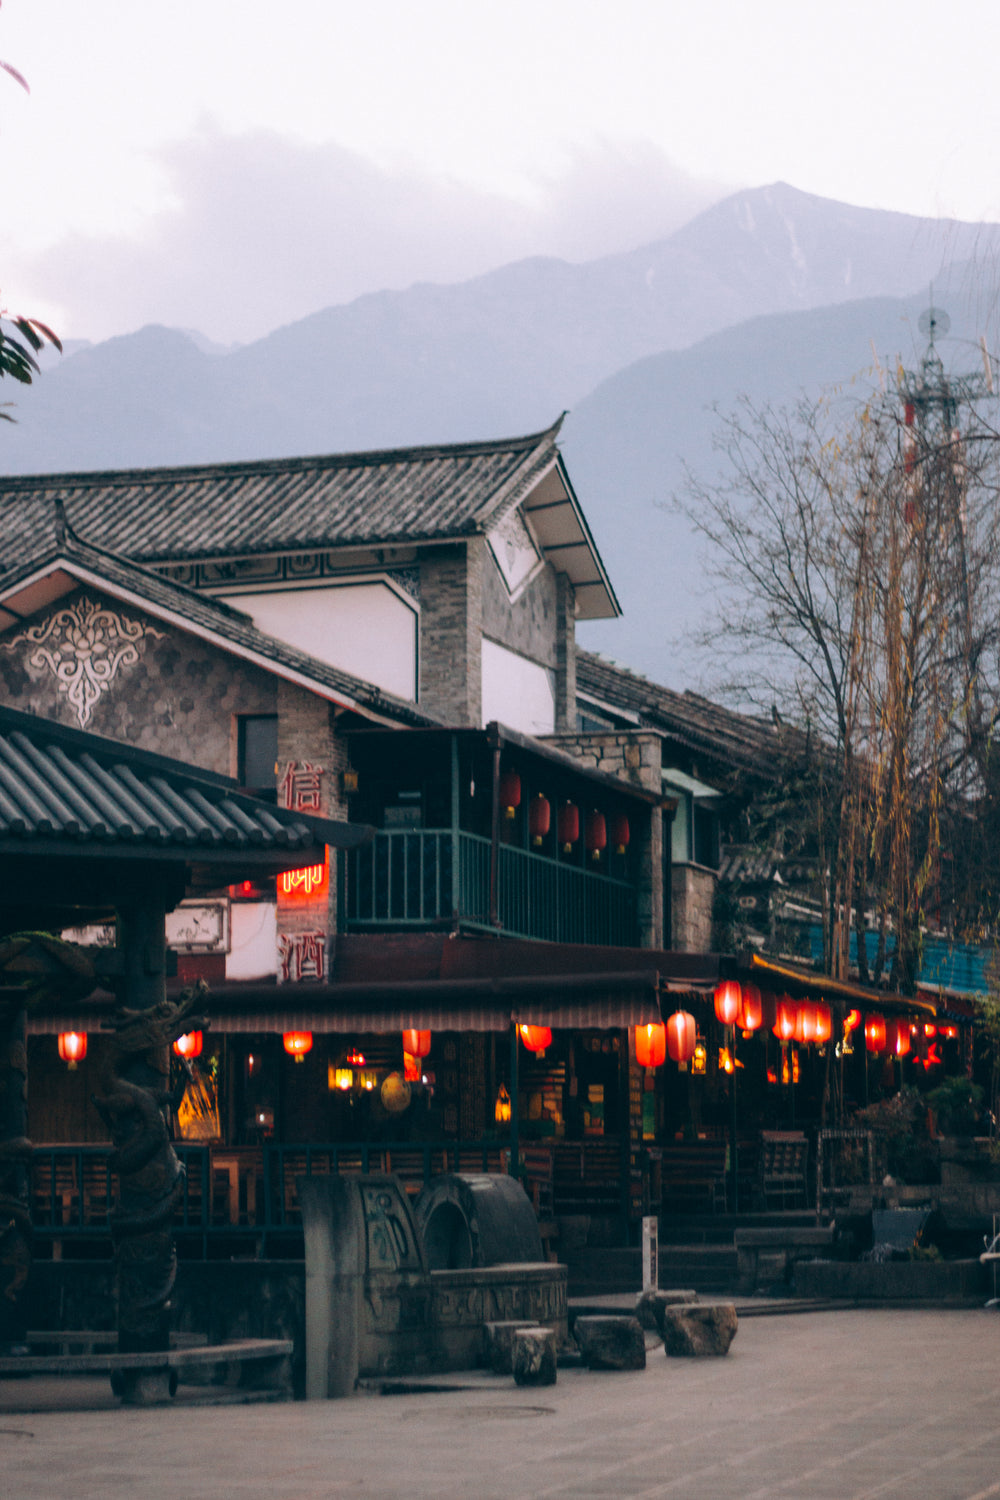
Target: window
[(257, 754)]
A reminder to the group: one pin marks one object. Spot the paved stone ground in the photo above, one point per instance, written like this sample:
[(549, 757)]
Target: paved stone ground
[(850, 1405)]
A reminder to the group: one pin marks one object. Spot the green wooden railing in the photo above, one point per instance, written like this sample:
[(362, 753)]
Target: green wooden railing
[(427, 877)]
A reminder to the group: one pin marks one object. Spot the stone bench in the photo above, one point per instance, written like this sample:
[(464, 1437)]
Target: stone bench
[(152, 1375), (768, 1256), (702, 1329), (611, 1342), (498, 1343), (533, 1360)]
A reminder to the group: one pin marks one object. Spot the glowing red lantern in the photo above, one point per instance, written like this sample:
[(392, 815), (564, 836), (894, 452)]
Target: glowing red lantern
[(539, 819), (898, 1038), (72, 1047), (785, 1019), (650, 1044), (851, 1022), (728, 998), (510, 793), (190, 1044), (682, 1035), (805, 1022), (751, 1012), (824, 1024), (411, 1068), (417, 1043), (536, 1038), (875, 1033), (297, 1044), (950, 1033), (568, 826), (620, 833)]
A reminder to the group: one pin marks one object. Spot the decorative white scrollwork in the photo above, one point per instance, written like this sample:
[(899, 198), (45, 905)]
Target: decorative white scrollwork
[(84, 646)]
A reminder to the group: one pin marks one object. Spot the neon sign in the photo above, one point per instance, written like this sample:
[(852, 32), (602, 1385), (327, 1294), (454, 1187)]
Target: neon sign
[(306, 884)]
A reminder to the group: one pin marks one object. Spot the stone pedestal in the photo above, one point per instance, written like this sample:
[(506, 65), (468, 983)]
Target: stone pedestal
[(699, 1330), (498, 1344), (611, 1343), (534, 1356)]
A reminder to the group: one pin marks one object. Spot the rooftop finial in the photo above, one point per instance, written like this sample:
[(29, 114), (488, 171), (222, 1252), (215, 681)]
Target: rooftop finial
[(60, 511)]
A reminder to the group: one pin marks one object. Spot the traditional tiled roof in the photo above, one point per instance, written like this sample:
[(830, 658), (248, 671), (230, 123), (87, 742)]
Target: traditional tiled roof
[(55, 549), (274, 505), (63, 789), (716, 734)]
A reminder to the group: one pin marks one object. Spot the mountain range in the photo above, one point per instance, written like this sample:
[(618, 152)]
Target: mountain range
[(768, 293)]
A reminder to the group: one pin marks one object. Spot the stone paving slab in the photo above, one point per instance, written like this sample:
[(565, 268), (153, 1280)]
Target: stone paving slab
[(862, 1404)]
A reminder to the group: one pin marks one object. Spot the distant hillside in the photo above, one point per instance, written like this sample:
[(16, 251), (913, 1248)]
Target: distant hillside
[(766, 293), (497, 355), (628, 444)]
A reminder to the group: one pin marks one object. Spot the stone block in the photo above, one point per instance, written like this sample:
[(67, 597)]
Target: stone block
[(498, 1343), (611, 1343), (698, 1330), (649, 1306), (534, 1356)]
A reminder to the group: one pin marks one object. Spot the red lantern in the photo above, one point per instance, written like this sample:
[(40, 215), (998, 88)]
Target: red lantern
[(596, 834), (297, 1044), (417, 1043), (620, 833), (190, 1044), (536, 1038), (805, 1022), (682, 1035), (568, 826), (510, 792), (824, 1024), (411, 1068), (650, 1045), (539, 819), (898, 1038), (950, 1033), (785, 1019), (875, 1033), (72, 1046), (851, 1022), (751, 1013), (728, 998)]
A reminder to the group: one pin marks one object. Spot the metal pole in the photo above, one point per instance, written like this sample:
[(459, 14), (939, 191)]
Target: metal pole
[(732, 1147), (514, 1163)]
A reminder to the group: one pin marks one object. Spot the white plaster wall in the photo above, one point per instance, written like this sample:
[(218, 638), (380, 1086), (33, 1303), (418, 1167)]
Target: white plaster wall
[(253, 940), (518, 692), (366, 629)]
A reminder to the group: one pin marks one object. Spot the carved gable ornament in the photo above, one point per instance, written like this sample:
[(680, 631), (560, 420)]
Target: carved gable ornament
[(84, 646)]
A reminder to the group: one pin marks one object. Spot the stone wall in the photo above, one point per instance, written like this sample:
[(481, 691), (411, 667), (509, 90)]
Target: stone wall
[(691, 905), (157, 688)]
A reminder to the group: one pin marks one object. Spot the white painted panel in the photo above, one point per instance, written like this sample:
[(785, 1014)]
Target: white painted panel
[(518, 692), (253, 940), (366, 629)]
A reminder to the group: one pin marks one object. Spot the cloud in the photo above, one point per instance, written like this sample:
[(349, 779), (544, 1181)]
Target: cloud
[(262, 230)]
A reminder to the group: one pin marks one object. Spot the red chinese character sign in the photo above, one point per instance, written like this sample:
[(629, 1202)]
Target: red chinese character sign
[(300, 789), (301, 955)]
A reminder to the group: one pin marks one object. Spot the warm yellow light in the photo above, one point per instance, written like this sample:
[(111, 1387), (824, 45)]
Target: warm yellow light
[(501, 1112), (344, 1078), (699, 1059)]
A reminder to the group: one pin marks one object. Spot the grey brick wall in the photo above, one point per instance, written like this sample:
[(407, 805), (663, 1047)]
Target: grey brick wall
[(451, 615), (693, 897)]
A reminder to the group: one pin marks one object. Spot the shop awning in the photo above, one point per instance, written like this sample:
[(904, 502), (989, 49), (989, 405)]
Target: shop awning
[(598, 1002), (801, 983)]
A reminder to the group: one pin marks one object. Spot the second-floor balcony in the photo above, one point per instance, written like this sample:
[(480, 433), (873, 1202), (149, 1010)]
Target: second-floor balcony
[(457, 847), (433, 877)]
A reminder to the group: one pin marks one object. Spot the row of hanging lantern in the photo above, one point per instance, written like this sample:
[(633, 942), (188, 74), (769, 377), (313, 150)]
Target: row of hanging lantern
[(595, 828)]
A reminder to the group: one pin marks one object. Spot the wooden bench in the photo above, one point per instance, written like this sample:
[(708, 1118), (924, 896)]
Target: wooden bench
[(693, 1175), (784, 1157)]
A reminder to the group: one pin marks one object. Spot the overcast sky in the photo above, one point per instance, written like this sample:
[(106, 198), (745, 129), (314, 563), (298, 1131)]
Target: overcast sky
[(230, 165)]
